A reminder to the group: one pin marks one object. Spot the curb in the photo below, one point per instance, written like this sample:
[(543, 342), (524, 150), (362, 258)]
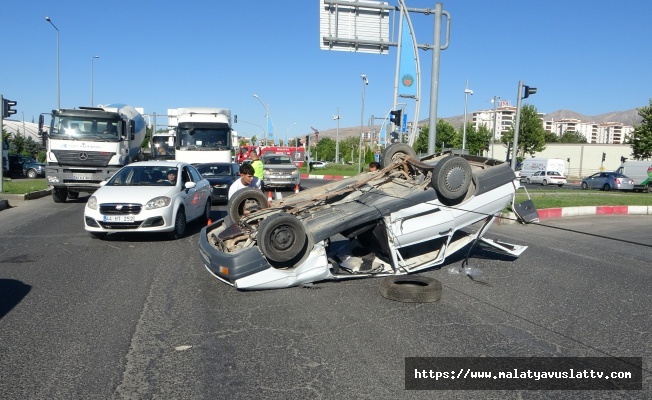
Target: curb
[(17, 198), (561, 212)]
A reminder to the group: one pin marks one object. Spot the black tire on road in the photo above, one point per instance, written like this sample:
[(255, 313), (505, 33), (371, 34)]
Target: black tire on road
[(585, 186), (394, 151), (179, 225), (31, 174), (59, 195), (544, 183), (649, 187), (281, 237), (207, 211), (451, 178), (606, 187), (410, 289), (243, 199), (527, 180)]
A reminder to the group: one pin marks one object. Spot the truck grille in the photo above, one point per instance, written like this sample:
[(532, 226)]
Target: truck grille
[(83, 158), (119, 209)]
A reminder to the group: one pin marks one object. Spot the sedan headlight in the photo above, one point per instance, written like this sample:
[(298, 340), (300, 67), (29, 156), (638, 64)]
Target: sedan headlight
[(92, 203), (158, 202)]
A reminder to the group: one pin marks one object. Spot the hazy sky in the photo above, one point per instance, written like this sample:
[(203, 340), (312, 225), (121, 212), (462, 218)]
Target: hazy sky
[(591, 57)]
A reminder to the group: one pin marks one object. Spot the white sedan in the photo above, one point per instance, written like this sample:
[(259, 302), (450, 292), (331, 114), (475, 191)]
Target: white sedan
[(547, 178), (149, 196)]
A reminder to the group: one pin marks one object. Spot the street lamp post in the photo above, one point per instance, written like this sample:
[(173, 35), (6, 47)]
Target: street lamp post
[(337, 136), (266, 115), (58, 80), (287, 131), (92, 59), (467, 92), (365, 82), (493, 137)]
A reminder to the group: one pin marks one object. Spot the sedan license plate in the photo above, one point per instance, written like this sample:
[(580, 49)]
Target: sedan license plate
[(82, 176), (119, 218)]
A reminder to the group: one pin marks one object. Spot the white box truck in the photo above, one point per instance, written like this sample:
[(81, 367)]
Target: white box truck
[(640, 172), (203, 134), (531, 165)]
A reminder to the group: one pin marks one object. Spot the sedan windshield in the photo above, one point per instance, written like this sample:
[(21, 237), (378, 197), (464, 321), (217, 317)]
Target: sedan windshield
[(144, 176)]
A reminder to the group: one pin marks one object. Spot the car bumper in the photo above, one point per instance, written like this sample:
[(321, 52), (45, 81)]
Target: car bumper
[(281, 182), (247, 269), (157, 220), (219, 195)]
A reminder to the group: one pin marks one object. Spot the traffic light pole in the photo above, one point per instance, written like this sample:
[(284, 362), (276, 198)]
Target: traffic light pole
[(517, 124)]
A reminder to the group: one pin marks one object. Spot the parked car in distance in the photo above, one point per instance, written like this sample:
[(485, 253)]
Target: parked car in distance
[(547, 178), (279, 171), (220, 176), (25, 166), (608, 181), (144, 197), (317, 164)]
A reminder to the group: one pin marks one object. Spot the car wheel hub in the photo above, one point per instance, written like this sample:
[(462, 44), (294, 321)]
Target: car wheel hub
[(455, 178), (282, 238)]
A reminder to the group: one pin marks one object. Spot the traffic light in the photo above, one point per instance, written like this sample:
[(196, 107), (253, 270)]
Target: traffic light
[(7, 109), (307, 141), (528, 91), (604, 156), (396, 117)]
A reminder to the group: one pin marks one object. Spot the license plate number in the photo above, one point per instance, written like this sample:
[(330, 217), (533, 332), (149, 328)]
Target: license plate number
[(119, 218), (82, 177)]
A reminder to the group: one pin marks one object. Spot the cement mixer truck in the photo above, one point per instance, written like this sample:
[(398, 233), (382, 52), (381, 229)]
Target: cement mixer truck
[(87, 145)]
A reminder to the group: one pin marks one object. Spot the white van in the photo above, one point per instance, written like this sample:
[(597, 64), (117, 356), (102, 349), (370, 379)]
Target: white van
[(640, 172), (531, 165)]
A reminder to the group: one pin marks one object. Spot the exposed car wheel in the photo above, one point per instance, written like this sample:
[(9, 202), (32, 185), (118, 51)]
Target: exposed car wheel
[(207, 211), (281, 237), (585, 185), (410, 289), (98, 235), (451, 178), (606, 187), (59, 195), (244, 201), (179, 225), (527, 180), (31, 174), (392, 153), (73, 195), (544, 183)]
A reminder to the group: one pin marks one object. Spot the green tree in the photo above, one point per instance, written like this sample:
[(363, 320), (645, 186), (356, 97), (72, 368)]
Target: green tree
[(572, 137), (641, 140), (551, 137), (326, 149), (349, 149), (446, 136), (531, 135), (477, 139)]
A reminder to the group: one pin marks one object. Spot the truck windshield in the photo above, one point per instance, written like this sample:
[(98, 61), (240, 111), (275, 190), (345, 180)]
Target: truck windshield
[(81, 128), (203, 139), (163, 147)]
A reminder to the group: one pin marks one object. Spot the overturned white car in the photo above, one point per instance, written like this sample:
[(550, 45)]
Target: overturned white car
[(406, 218)]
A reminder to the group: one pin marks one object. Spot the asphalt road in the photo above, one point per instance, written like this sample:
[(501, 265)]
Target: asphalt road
[(138, 317)]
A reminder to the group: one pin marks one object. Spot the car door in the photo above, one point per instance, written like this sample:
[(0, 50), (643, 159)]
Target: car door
[(190, 199), (202, 189), (593, 181), (536, 177)]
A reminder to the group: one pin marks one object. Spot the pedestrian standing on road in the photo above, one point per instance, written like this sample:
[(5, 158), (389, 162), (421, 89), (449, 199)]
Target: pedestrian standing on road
[(247, 179), (374, 166), (257, 164)]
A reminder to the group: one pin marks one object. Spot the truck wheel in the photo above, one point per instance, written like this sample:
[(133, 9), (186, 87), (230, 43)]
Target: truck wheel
[(392, 153), (179, 225), (245, 201), (73, 195), (410, 289), (59, 195), (281, 237), (31, 174), (451, 178)]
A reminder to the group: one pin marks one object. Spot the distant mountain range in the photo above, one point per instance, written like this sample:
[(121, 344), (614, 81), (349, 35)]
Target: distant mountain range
[(629, 117)]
